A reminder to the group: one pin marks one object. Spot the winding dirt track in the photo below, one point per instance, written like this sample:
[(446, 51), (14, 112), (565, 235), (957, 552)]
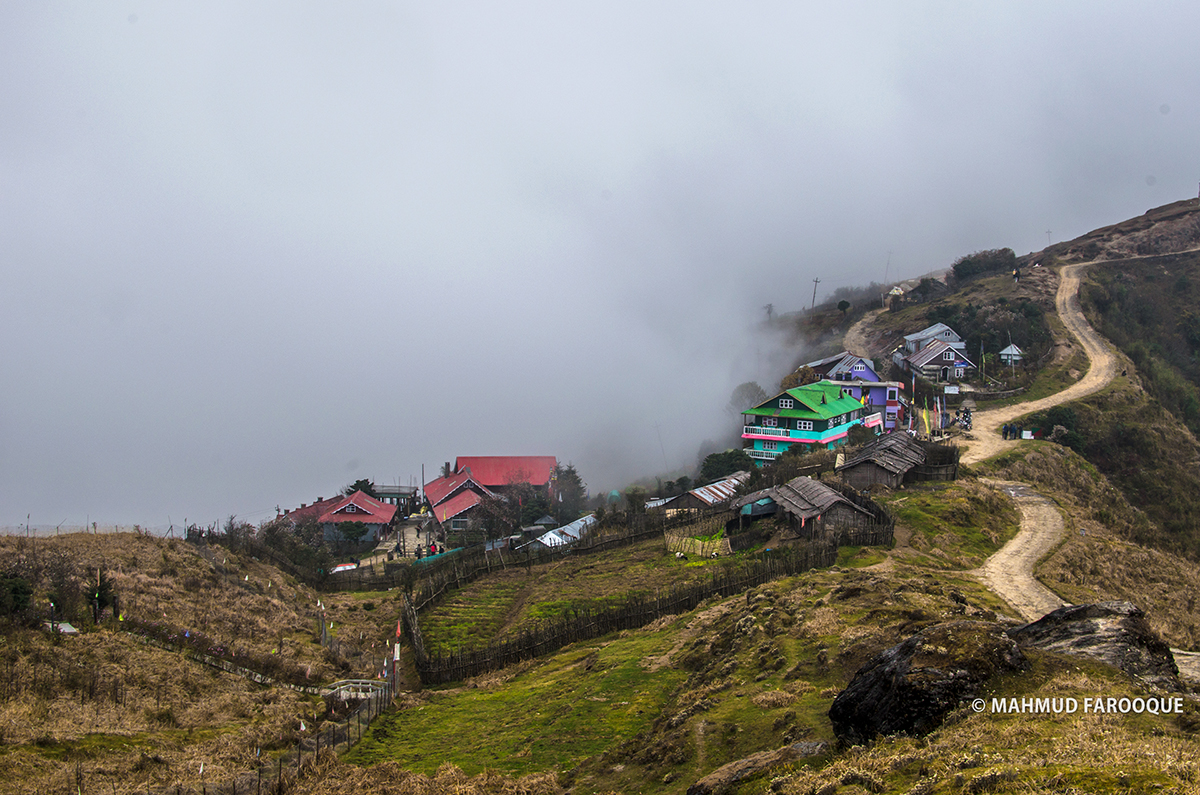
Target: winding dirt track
[(987, 441), (1009, 572)]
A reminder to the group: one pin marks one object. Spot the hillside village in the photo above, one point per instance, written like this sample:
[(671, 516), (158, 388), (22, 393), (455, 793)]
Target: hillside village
[(816, 610), (829, 398)]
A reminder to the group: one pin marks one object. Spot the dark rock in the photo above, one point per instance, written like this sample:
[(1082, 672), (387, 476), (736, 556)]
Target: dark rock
[(911, 686), (1115, 633), (724, 777)]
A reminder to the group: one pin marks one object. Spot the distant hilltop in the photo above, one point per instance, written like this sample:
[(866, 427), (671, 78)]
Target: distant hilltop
[(1169, 229)]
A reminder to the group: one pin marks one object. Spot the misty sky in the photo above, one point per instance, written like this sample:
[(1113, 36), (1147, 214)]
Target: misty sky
[(250, 252)]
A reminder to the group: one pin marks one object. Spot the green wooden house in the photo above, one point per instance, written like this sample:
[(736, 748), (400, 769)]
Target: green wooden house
[(818, 415)]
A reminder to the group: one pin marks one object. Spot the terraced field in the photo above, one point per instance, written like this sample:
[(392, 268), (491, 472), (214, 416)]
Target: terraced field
[(487, 609)]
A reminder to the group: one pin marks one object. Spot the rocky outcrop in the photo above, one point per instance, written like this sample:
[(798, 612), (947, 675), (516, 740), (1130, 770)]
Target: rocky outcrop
[(911, 686), (724, 777), (1115, 633)]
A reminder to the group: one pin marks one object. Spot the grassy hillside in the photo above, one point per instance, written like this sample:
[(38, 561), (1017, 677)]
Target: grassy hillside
[(1148, 308), (1097, 561), (126, 714), (650, 710), (507, 601), (656, 709)]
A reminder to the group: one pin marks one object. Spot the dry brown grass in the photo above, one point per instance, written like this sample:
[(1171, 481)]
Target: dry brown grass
[(128, 715), (168, 717), (1023, 753), (773, 698)]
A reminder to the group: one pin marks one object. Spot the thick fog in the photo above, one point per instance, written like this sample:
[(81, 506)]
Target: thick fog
[(251, 252)]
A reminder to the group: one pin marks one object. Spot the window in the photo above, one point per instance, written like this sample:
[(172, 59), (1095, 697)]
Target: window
[(351, 508), (804, 425), (891, 394), (891, 416), (958, 372), (770, 445), (948, 356), (770, 422), (860, 366), (458, 524), (786, 403)]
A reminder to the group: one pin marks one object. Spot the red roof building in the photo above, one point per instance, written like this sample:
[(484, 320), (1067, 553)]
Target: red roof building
[(358, 507), (442, 489), (497, 471), (452, 500)]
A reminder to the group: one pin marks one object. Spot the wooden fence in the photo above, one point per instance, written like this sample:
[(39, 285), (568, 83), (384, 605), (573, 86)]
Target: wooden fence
[(941, 463), (636, 611)]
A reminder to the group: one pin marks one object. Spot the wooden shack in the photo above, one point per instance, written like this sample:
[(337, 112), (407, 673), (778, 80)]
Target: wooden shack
[(884, 460), (814, 510), (704, 499), (897, 458)]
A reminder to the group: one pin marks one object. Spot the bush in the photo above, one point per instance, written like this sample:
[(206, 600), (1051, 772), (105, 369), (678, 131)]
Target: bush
[(719, 465), (996, 260), (15, 595)]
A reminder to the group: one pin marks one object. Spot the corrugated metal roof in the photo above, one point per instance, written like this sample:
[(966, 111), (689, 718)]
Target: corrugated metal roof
[(366, 509), (843, 362), (722, 491), (933, 331), (441, 489), (934, 350), (821, 400), (463, 501), (499, 470)]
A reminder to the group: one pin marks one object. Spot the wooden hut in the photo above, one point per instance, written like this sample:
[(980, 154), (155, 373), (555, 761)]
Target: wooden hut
[(886, 460), (897, 458), (814, 510)]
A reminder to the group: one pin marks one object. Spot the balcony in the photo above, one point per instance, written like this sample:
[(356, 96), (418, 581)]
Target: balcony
[(765, 455), (762, 430)]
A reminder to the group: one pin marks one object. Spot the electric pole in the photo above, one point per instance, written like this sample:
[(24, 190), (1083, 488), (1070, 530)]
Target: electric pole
[(814, 301)]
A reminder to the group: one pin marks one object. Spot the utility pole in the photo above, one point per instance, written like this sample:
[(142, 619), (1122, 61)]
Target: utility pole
[(1047, 238), (814, 301)]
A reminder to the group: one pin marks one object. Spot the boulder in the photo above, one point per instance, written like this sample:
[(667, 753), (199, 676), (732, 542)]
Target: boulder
[(1115, 633), (724, 777), (911, 686)]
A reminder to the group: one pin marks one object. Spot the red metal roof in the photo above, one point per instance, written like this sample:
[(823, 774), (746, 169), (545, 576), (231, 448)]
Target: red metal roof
[(366, 509), (460, 502), (315, 511), (500, 470), (437, 491)]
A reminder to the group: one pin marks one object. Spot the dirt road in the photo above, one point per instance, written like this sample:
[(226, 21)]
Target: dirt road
[(986, 441), (855, 340), (1009, 572)]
